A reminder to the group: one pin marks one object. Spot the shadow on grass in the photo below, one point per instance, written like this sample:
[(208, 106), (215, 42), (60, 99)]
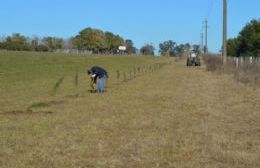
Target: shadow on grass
[(26, 113), (42, 105)]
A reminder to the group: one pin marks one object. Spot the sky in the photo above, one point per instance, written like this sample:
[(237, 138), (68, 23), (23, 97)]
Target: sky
[(143, 21)]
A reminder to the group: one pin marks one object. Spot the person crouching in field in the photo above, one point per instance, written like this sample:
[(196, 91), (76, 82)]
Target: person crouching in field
[(98, 76)]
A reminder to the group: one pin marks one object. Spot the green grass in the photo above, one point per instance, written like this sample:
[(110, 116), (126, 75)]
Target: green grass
[(27, 77), (172, 117)]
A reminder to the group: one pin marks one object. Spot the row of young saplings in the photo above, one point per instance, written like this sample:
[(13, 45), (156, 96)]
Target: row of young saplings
[(121, 76)]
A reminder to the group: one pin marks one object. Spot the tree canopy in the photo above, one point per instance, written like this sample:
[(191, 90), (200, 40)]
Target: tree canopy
[(19, 42), (167, 48), (248, 41), (130, 48), (97, 41), (147, 49), (16, 42), (90, 39), (171, 48)]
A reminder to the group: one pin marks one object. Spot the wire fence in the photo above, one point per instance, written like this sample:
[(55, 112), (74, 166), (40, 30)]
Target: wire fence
[(244, 69), (127, 75), (73, 51), (242, 61)]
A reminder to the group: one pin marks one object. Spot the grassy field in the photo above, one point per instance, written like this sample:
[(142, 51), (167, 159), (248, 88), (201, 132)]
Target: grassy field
[(27, 77), (172, 117)]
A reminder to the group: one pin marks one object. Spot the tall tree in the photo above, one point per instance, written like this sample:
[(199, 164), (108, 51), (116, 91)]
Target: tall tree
[(248, 41), (167, 48), (178, 50), (16, 42), (90, 39), (97, 41), (147, 49), (112, 42), (130, 49), (196, 48), (171, 48), (232, 47), (77, 43)]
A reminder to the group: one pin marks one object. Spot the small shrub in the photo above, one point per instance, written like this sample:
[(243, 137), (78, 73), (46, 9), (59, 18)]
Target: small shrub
[(213, 63)]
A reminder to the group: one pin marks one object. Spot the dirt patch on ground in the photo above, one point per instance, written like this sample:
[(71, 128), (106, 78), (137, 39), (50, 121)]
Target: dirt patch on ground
[(41, 105), (55, 102), (75, 96), (26, 113)]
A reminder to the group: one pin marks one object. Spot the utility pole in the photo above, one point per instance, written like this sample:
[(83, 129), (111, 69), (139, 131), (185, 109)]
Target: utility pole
[(202, 43), (224, 49), (206, 37)]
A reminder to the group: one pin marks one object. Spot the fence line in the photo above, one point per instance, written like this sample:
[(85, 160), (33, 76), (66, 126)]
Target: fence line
[(241, 61), (73, 51)]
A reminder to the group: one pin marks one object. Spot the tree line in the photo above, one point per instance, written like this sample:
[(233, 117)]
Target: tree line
[(97, 41), (90, 39), (248, 41), (171, 48), (18, 42)]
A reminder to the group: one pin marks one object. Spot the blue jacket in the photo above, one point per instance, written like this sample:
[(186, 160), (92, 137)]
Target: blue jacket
[(99, 72)]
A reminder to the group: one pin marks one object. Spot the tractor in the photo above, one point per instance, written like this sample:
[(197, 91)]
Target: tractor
[(193, 59)]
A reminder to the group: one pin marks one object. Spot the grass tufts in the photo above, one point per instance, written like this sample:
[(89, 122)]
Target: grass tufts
[(37, 106)]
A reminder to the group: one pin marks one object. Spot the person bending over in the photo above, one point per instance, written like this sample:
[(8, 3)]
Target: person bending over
[(98, 76)]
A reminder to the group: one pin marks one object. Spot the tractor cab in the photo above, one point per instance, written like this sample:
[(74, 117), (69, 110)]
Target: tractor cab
[(193, 59)]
